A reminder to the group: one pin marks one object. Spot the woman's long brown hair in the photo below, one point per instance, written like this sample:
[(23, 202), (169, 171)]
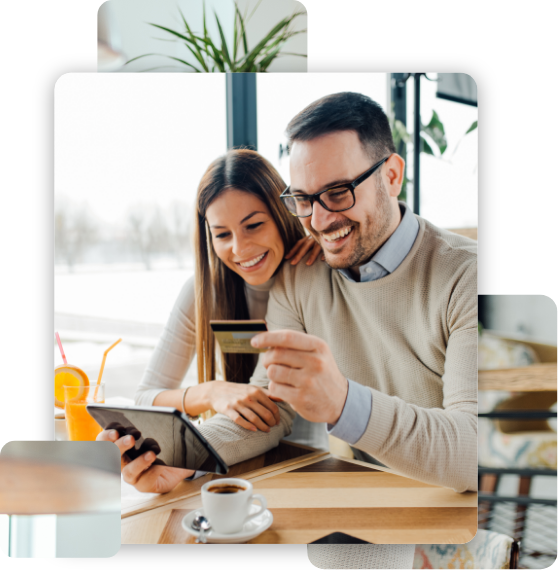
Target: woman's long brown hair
[(220, 291)]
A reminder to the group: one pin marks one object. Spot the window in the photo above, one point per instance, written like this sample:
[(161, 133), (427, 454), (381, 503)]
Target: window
[(448, 184), (129, 154)]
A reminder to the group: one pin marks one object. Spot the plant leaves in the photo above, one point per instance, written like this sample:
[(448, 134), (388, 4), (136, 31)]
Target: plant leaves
[(425, 147), (253, 11), (293, 54), (197, 55), (195, 50), (265, 62), (271, 40), (165, 56), (242, 31), (224, 49), (252, 56), (473, 127), (183, 62), (212, 51), (142, 56), (170, 31), (435, 130), (235, 37)]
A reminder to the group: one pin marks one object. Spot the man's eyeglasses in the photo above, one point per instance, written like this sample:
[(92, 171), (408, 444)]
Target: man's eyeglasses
[(335, 199)]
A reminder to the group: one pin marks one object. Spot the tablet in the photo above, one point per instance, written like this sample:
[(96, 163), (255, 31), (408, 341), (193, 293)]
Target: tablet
[(165, 431), (234, 336)]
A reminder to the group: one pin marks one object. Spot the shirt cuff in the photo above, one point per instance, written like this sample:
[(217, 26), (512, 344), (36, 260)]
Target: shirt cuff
[(355, 416)]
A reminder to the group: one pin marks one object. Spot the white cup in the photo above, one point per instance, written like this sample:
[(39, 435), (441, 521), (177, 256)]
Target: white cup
[(227, 512)]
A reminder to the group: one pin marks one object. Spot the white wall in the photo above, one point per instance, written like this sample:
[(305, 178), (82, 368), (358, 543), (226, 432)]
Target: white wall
[(533, 316), (269, 13), (137, 37)]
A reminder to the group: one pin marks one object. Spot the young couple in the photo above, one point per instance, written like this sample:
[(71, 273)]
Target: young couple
[(376, 346)]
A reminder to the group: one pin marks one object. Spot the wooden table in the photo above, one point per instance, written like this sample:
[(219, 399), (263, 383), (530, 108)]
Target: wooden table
[(37, 488), (312, 494)]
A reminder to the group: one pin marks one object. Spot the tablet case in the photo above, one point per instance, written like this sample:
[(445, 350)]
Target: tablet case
[(163, 430)]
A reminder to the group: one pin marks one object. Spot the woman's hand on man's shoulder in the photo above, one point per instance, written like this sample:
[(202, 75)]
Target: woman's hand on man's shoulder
[(306, 246)]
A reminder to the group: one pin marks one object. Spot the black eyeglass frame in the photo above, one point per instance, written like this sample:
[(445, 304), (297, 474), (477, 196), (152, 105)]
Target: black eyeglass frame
[(316, 196)]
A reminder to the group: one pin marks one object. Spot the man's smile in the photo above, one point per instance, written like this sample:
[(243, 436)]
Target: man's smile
[(334, 241)]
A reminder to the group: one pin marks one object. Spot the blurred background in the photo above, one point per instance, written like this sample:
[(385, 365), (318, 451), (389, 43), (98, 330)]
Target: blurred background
[(91, 529), (130, 151), (517, 423), (531, 317)]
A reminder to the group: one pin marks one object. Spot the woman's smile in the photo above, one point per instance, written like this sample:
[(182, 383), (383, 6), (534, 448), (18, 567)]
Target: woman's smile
[(251, 264)]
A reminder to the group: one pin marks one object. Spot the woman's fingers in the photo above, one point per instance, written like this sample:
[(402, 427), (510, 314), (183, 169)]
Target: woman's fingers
[(295, 248), (301, 248), (314, 253), (251, 416), (265, 408), (239, 420), (293, 252)]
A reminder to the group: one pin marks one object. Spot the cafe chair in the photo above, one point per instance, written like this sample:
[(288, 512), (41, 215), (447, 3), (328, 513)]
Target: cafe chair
[(517, 437), (518, 443), (487, 550)]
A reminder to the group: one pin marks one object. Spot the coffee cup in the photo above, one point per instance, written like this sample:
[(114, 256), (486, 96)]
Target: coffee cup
[(226, 503)]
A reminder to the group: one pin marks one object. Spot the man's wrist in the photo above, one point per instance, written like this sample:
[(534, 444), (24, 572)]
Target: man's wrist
[(340, 405)]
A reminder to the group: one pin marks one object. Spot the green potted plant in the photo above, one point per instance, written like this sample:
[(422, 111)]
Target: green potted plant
[(210, 57), (434, 131)]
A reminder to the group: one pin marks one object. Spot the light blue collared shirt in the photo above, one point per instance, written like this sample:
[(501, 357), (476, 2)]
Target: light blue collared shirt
[(358, 406)]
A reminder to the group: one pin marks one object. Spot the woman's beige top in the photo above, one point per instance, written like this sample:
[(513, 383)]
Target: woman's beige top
[(176, 349)]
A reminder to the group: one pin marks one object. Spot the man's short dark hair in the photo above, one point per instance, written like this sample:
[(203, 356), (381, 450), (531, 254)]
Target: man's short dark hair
[(345, 111)]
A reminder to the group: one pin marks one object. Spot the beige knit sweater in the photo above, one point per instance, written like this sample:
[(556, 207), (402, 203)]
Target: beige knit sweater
[(411, 337)]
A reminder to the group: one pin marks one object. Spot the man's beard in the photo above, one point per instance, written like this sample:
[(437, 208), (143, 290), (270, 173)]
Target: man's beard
[(368, 236)]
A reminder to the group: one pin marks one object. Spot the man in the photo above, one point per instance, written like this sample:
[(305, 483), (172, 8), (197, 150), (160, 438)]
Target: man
[(388, 360), (380, 341)]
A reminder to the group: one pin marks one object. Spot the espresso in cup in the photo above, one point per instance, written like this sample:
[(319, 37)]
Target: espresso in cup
[(226, 503), (226, 488)]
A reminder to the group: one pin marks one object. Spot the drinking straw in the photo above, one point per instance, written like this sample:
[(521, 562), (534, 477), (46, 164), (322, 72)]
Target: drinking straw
[(103, 367), (61, 349)]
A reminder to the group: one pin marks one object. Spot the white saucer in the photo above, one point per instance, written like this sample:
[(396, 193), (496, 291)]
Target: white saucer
[(250, 529)]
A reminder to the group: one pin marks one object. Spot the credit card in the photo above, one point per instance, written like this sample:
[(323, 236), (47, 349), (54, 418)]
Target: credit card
[(235, 336)]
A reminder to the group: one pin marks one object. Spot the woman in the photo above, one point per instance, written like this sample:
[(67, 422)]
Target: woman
[(242, 234)]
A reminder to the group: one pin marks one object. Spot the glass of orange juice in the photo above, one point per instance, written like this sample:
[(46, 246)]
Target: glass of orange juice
[(81, 426)]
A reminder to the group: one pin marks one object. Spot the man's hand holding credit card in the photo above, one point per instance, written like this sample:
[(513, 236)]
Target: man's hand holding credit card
[(235, 337)]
